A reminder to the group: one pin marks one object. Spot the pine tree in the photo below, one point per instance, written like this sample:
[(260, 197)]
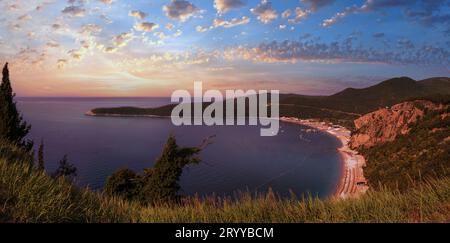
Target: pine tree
[(41, 164), (65, 169), (13, 128), (163, 183)]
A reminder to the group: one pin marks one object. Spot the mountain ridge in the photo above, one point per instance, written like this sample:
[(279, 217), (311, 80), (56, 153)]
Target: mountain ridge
[(340, 108)]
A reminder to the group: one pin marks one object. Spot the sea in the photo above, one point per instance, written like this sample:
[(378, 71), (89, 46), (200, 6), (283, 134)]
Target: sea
[(297, 162)]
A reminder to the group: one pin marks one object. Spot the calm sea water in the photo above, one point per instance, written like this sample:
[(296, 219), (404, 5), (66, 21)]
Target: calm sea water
[(238, 160)]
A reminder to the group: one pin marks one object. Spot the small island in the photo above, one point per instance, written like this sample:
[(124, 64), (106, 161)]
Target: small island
[(164, 111)]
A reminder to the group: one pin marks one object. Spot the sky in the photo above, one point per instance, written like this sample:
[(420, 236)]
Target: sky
[(154, 47)]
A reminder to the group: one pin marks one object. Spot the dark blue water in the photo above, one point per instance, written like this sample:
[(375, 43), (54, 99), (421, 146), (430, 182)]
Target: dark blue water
[(239, 159)]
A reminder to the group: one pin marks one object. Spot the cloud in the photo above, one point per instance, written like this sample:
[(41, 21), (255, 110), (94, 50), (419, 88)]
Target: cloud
[(201, 29), (108, 2), (180, 10), (58, 27), (61, 63), (146, 27), (265, 12), (405, 44), (77, 54), (300, 15), (160, 35), (218, 22), (88, 29), (338, 16), (232, 23), (106, 19), (169, 26), (110, 50), (13, 7), (178, 33), (137, 14), (122, 39), (379, 35), (52, 44), (339, 52), (74, 11), (430, 14), (24, 17), (372, 5), (286, 14), (224, 6), (314, 5)]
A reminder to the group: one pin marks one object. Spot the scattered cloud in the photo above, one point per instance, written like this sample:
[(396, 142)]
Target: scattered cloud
[(178, 33), (286, 14), (218, 22), (314, 5), (265, 12), (24, 17), (224, 6), (146, 26), (160, 35), (89, 29), (232, 23), (338, 52), (76, 54), (300, 15), (106, 19), (180, 10), (201, 29), (338, 16), (74, 11), (169, 26), (427, 13), (61, 63), (108, 2), (53, 44), (122, 39), (137, 14)]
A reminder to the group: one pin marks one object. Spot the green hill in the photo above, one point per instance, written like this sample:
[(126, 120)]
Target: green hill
[(362, 101), (340, 108), (424, 152)]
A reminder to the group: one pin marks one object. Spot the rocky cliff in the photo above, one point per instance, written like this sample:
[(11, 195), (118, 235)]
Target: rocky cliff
[(385, 124)]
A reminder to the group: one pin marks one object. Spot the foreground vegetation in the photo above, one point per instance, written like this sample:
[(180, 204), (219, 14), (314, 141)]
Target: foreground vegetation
[(27, 194)]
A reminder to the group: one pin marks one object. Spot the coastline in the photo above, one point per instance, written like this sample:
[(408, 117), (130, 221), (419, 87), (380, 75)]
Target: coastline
[(90, 113), (352, 182)]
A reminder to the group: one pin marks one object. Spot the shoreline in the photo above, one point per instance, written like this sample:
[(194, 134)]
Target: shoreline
[(90, 113), (352, 182)]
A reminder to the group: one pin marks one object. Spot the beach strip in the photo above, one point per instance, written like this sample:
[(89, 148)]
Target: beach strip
[(352, 183)]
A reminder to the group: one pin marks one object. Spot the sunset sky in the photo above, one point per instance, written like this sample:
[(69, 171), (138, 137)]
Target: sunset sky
[(152, 47)]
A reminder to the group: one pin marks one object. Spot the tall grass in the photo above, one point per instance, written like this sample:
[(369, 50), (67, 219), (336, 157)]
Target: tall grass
[(29, 195)]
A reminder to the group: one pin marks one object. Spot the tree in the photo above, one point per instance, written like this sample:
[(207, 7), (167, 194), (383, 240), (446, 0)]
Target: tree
[(65, 169), (163, 182), (13, 128), (124, 183), (41, 164)]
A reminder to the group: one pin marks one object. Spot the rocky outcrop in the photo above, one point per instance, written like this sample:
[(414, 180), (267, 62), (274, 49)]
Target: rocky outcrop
[(385, 124)]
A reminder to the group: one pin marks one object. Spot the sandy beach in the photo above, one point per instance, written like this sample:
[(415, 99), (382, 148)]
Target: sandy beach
[(352, 182)]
